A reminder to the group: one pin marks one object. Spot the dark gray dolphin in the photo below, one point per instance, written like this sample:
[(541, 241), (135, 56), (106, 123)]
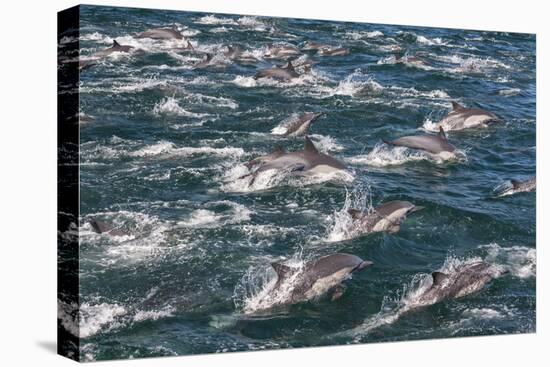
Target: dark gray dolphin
[(384, 218), (435, 144), (116, 47), (333, 51), (304, 162), (284, 73), (463, 118), (300, 125), (161, 34), (317, 277), (462, 281), (102, 227)]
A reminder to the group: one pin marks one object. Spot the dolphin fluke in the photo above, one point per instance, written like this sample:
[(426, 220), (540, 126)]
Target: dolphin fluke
[(438, 277)]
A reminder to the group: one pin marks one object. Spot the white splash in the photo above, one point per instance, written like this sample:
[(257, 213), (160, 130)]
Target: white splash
[(342, 227)]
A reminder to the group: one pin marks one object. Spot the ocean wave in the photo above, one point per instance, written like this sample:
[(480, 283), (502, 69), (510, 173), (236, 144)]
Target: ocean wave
[(232, 213), (98, 317), (170, 106)]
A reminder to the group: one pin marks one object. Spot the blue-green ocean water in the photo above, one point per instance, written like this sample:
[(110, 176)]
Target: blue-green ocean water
[(163, 156)]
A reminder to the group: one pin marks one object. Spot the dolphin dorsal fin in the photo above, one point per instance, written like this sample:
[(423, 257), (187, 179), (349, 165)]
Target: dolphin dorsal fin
[(457, 106), (279, 149), (354, 213), (442, 133), (438, 277), (515, 183), (115, 44), (281, 269), (309, 147), (208, 57)]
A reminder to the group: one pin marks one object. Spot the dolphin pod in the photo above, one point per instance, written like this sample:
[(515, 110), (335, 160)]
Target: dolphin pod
[(317, 277), (327, 274)]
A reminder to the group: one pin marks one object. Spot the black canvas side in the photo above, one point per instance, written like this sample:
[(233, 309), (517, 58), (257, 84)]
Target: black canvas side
[(68, 343)]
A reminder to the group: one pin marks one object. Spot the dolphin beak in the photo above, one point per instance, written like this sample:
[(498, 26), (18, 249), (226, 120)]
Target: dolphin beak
[(416, 208), (364, 264)]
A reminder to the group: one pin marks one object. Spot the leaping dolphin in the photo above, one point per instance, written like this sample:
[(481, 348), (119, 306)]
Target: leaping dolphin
[(304, 162), (161, 34), (300, 125), (317, 277), (284, 73), (435, 144), (463, 118), (384, 218)]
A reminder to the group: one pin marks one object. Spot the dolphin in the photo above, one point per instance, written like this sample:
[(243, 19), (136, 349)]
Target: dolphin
[(281, 51), (384, 218), (209, 61), (409, 60), (116, 47), (316, 277), (102, 227), (314, 46), (86, 64), (236, 53), (333, 51), (300, 125), (462, 281), (284, 73), (517, 186), (304, 162), (524, 186), (278, 152), (463, 118), (435, 144), (161, 34)]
